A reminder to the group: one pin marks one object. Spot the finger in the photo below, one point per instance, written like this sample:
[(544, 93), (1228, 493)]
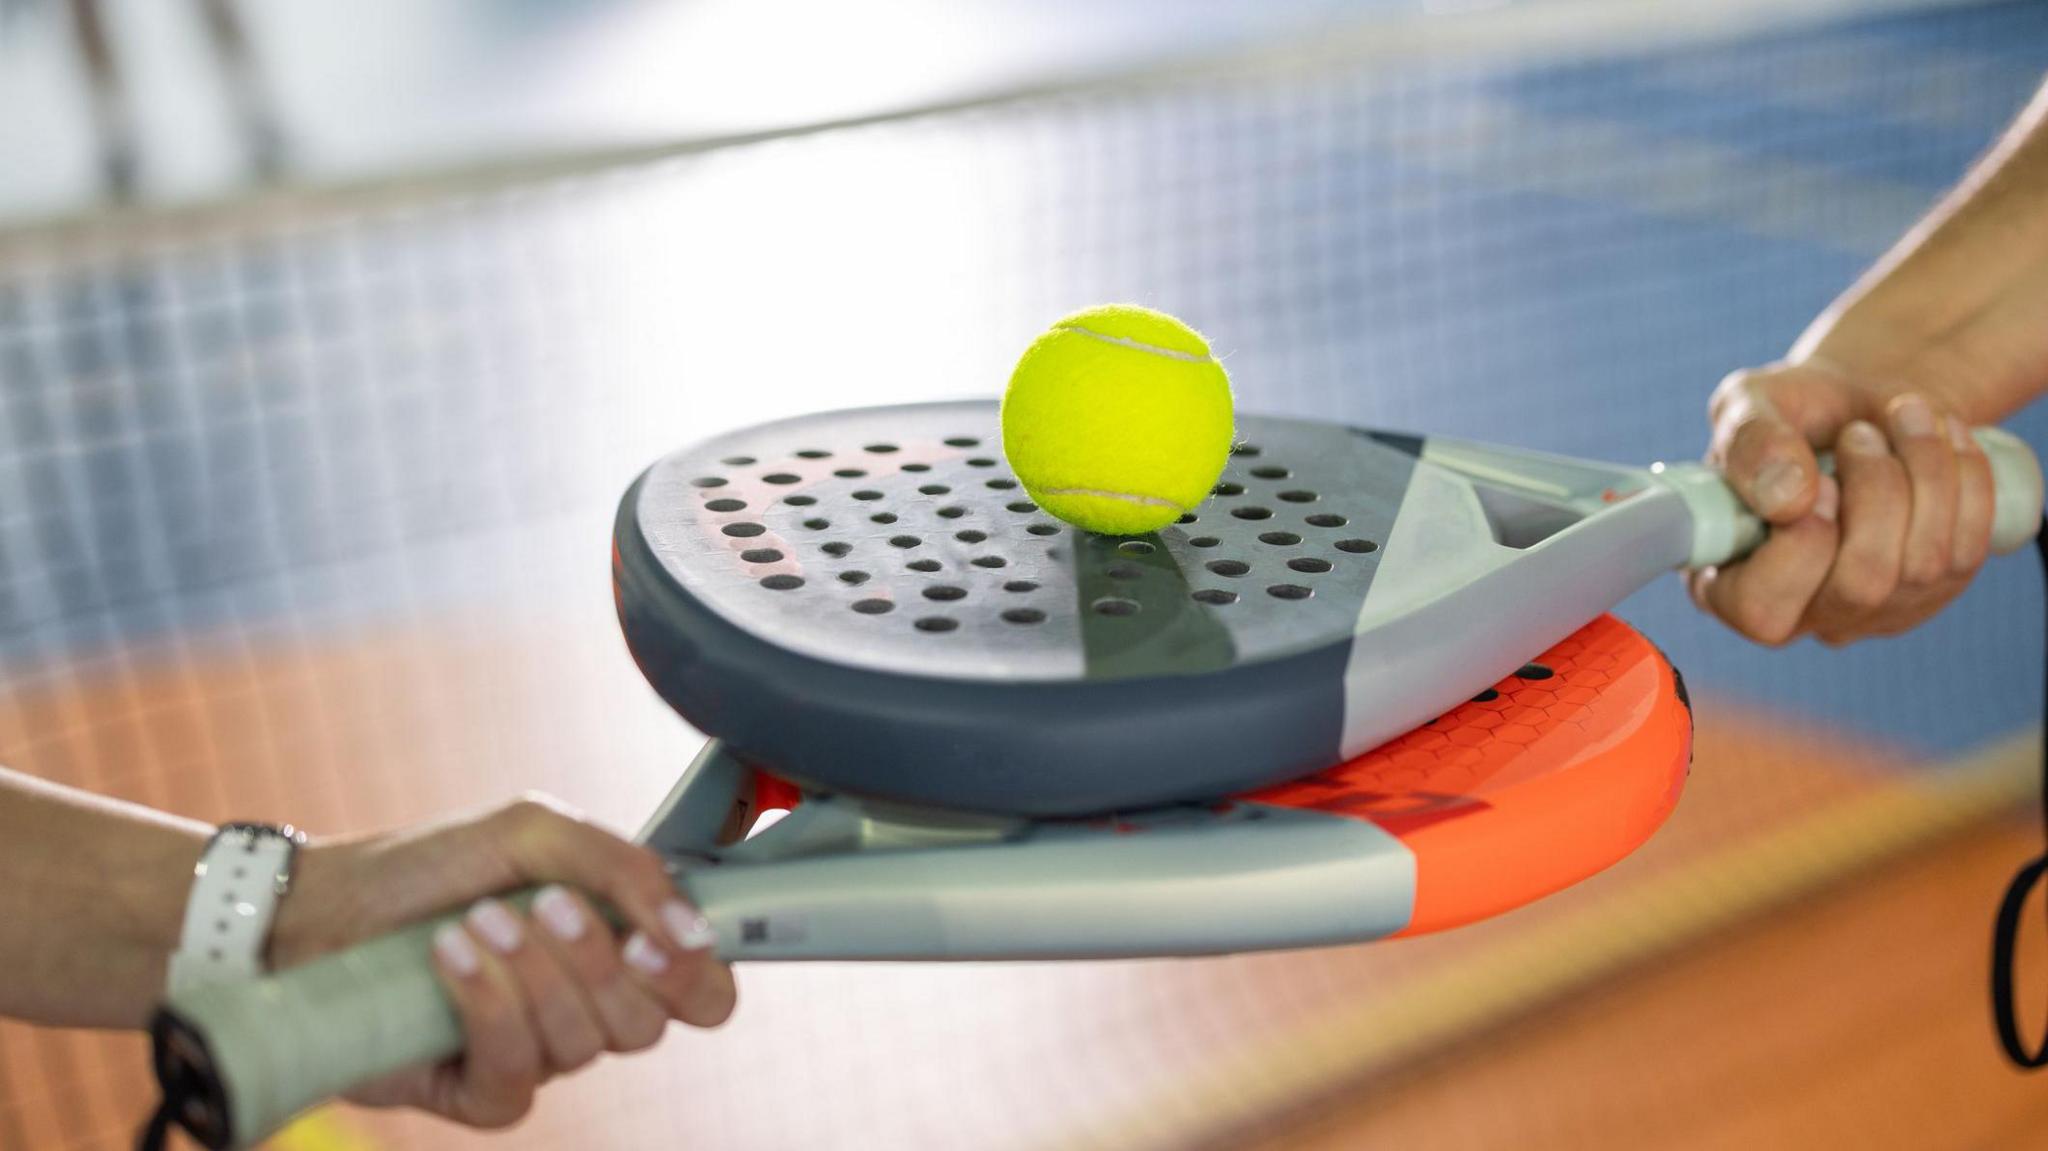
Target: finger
[(1930, 460), (631, 1017), (1766, 460), (1976, 502), (501, 1061), (549, 845), (1875, 510), (694, 988), (570, 1033), (1912, 607), (1765, 597)]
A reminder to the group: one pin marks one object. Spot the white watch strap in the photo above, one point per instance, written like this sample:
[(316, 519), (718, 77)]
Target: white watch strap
[(236, 885)]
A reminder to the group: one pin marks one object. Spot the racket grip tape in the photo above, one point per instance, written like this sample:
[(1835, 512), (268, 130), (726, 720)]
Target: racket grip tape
[(243, 1057), (1725, 530)]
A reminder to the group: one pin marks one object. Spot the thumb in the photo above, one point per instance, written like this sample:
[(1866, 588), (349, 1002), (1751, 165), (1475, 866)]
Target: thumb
[(1772, 469), (1765, 457)]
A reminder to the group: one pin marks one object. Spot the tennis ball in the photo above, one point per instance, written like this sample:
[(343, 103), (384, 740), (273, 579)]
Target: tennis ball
[(1118, 419)]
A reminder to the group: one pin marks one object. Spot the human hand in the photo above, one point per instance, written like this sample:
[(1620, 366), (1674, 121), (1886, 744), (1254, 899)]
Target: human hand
[(539, 993), (1879, 547)]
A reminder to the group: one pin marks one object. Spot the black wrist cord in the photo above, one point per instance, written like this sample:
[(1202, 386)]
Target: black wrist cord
[(2005, 935)]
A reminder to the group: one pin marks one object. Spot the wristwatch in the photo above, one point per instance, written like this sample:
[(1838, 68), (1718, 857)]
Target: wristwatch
[(241, 876)]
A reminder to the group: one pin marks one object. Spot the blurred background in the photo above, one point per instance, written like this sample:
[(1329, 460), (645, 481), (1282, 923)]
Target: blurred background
[(330, 333)]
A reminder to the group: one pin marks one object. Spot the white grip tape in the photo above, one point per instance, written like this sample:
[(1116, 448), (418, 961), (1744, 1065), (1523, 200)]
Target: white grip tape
[(1725, 530), (2016, 484), (280, 1044)]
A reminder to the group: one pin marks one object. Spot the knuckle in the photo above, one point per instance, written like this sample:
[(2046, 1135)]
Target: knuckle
[(1970, 556), (639, 1031), (713, 1002), (1775, 633), (516, 1063), (1862, 586), (537, 815), (1752, 432), (631, 876), (505, 1111), (1770, 624), (493, 1014), (540, 805), (1732, 387), (1925, 566), (529, 810), (579, 1051), (594, 962), (648, 876), (563, 1019)]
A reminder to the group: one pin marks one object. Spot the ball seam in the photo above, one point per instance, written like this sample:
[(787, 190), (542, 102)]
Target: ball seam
[(1127, 497), (1137, 345)]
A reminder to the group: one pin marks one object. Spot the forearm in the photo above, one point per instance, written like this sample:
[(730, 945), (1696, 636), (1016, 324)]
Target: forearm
[(92, 902), (1959, 307)]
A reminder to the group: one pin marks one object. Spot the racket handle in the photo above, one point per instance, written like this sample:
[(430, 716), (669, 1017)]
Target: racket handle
[(1725, 530), (246, 1056)]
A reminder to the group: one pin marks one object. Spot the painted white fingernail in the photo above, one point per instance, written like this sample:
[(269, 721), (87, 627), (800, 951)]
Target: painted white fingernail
[(457, 953), (498, 926), (557, 911), (1863, 438), (691, 931), (644, 954)]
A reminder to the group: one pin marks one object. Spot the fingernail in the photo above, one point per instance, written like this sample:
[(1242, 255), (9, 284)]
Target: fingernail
[(643, 954), (1778, 484), (1912, 417), (457, 953), (1959, 436), (558, 912), (1828, 503), (1863, 438), (691, 931), (496, 923)]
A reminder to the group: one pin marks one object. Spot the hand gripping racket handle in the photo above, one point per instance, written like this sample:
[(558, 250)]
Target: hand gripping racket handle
[(242, 1058), (238, 1059), (1724, 529)]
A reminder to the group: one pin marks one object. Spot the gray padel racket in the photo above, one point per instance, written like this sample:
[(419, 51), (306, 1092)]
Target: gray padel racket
[(867, 601)]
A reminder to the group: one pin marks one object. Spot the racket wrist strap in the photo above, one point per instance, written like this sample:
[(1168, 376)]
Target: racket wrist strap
[(2006, 929)]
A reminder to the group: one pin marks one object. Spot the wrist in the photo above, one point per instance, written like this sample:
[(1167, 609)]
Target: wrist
[(130, 897), (314, 917), (1880, 365)]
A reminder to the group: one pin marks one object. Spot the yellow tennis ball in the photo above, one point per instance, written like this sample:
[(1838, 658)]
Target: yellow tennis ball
[(1118, 420)]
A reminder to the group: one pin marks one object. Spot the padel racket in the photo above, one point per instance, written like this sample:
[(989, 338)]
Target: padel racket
[(864, 603), (867, 602)]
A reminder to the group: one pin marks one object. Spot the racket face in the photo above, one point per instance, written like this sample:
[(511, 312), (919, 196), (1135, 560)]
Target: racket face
[(868, 601), (1551, 775)]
